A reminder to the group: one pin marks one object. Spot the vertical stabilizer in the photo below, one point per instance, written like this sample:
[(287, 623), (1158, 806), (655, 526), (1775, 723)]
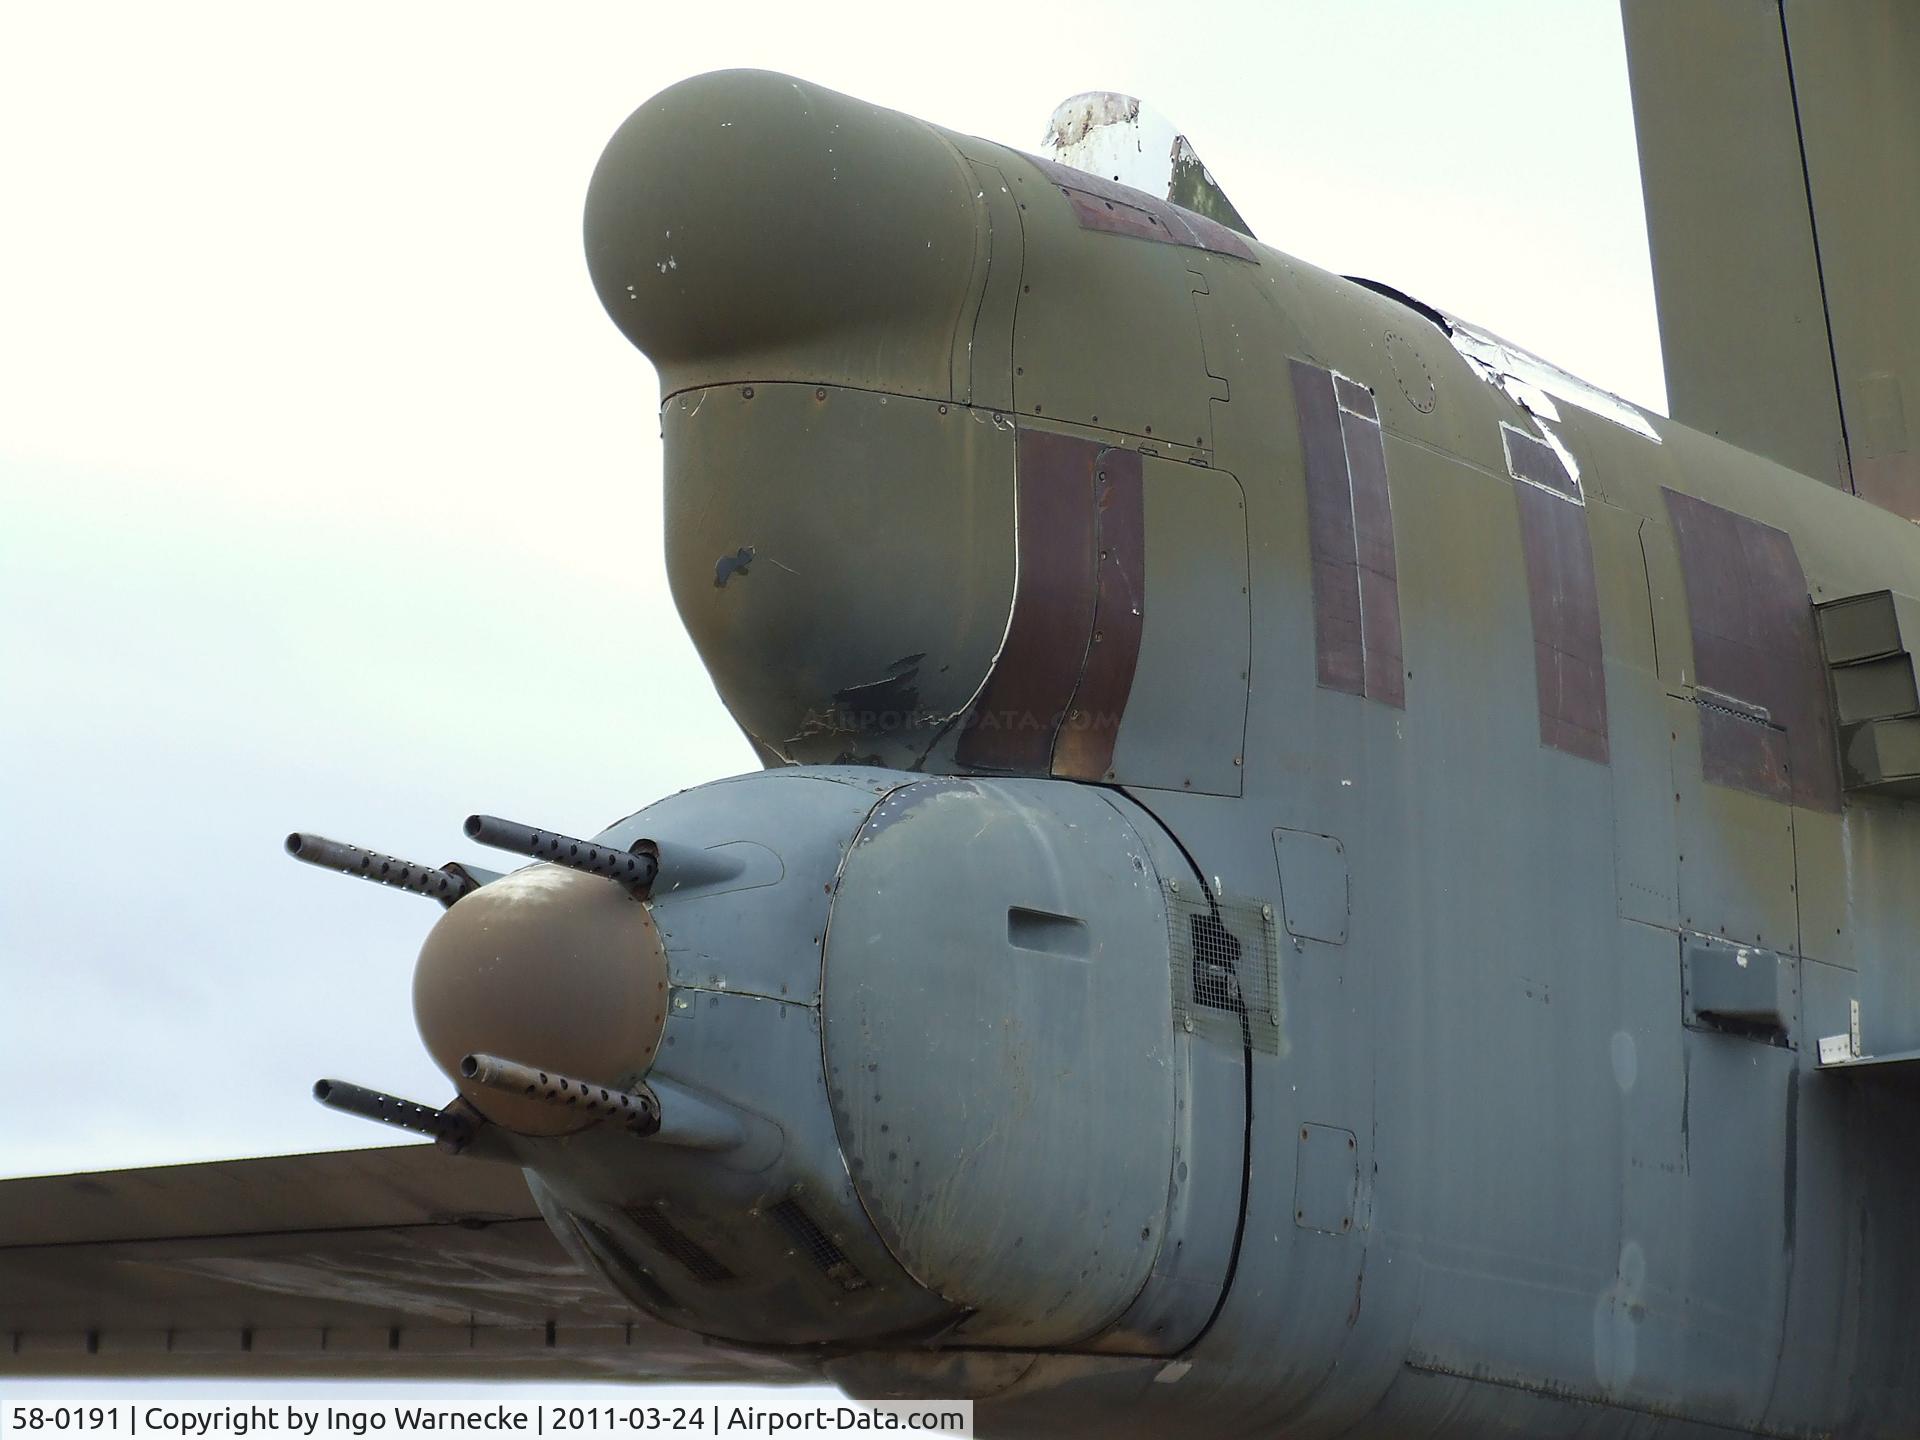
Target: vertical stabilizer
[(1778, 143)]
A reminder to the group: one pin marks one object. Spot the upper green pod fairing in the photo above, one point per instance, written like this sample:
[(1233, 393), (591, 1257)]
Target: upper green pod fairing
[(747, 226)]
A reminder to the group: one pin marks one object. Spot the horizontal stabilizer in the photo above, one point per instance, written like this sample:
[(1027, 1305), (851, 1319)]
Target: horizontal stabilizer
[(393, 1263)]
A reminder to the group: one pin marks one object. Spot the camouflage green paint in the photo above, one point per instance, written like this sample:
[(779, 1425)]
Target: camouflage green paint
[(1502, 1166), (1192, 187), (1565, 1193)]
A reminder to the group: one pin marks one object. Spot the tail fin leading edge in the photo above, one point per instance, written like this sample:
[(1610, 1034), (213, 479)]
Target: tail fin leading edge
[(1777, 142)]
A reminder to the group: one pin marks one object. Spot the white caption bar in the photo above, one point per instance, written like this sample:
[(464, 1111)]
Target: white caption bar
[(766, 1414)]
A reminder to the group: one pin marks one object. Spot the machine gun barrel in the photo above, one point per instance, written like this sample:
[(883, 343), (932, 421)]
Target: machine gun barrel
[(635, 871), (638, 1110), (442, 885), (450, 1130)]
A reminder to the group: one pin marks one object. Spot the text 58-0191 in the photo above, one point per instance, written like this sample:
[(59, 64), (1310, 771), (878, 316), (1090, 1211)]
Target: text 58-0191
[(67, 1417)]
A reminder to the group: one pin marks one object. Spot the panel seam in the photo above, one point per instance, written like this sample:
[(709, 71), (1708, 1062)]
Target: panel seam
[(1819, 265)]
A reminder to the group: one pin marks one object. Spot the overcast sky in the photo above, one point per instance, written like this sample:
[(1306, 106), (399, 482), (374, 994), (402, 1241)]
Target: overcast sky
[(332, 498)]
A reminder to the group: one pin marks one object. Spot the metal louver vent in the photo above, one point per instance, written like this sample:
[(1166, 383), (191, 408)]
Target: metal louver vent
[(1226, 968), (677, 1245), (814, 1243)]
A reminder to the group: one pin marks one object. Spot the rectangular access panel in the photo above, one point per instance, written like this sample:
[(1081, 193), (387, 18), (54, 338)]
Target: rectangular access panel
[(1185, 723)]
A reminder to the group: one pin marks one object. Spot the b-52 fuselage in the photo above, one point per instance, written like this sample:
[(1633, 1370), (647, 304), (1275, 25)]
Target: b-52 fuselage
[(1314, 874)]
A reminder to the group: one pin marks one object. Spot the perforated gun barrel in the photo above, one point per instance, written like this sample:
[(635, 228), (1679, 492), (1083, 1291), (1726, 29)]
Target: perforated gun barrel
[(633, 870)]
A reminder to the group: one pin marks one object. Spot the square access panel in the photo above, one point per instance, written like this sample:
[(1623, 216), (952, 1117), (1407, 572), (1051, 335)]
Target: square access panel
[(1313, 885)]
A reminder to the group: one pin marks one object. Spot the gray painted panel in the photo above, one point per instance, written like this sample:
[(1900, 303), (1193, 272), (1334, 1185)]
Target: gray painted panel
[(1815, 1377), (757, 932), (1735, 849), (1210, 1139), (1883, 838), (1641, 1317), (1007, 1115), (1644, 847), (1645, 844), (1326, 1180), (1186, 717), (1735, 1221), (1313, 885), (1298, 1302), (698, 1225)]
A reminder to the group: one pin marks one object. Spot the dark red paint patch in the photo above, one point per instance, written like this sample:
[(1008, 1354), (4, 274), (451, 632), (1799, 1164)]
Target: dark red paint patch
[(1018, 713), (1101, 204), (1210, 234), (1084, 750), (1744, 751), (1355, 397), (1564, 600), (1754, 641), (1339, 656), (1114, 216), (1532, 459), (1379, 572), (1356, 586)]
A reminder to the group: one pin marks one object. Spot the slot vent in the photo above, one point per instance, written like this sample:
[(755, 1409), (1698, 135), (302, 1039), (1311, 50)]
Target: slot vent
[(814, 1243), (678, 1246)]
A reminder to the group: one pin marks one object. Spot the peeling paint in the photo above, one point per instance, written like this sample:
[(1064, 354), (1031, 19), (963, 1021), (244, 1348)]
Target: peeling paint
[(1118, 138), (727, 566), (1095, 112), (1534, 383), (1531, 383)]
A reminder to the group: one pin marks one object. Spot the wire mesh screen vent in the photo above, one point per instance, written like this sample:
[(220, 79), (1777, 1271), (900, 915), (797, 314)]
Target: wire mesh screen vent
[(677, 1245), (814, 1243), (1226, 967)]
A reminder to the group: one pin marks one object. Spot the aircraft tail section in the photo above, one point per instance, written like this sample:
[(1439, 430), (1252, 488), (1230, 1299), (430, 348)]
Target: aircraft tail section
[(1777, 142)]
